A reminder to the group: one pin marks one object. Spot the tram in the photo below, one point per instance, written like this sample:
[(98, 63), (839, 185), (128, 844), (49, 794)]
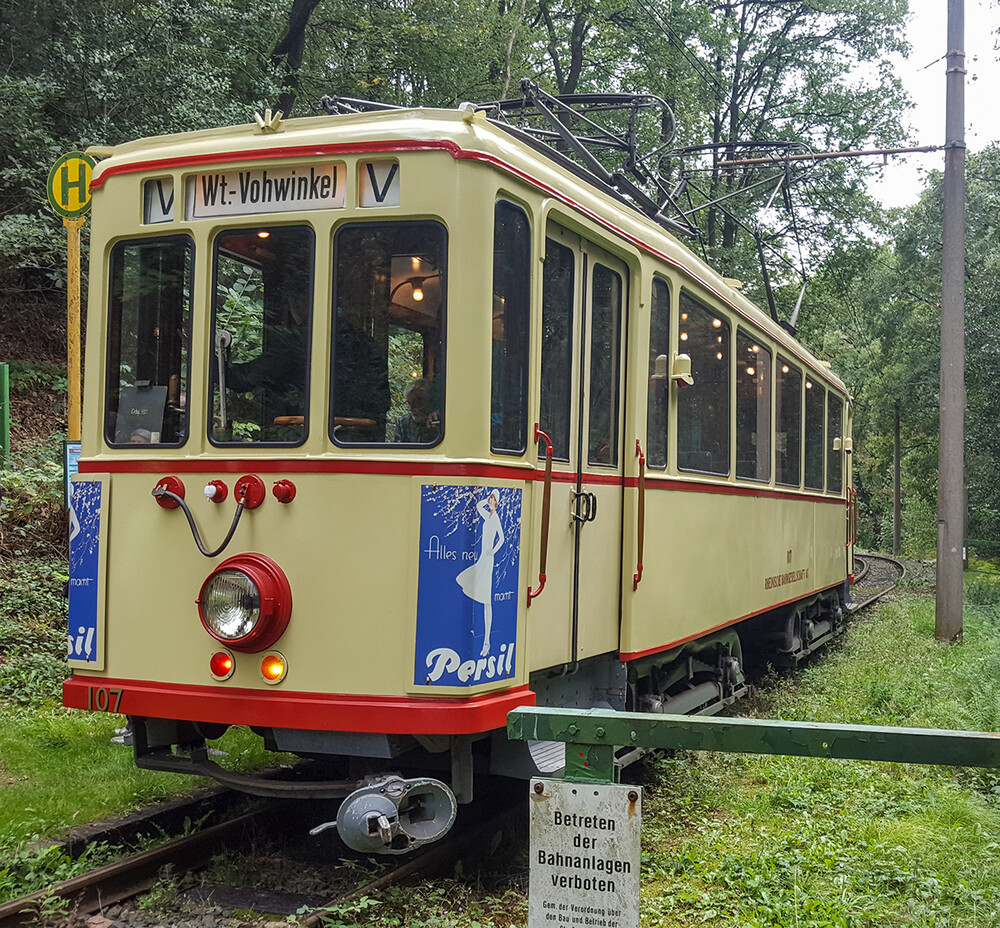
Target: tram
[(395, 421)]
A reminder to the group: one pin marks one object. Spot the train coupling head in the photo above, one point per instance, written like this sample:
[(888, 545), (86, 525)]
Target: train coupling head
[(390, 815)]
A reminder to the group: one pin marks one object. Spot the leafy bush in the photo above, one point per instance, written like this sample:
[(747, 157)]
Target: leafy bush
[(30, 376), (32, 517), (32, 631)]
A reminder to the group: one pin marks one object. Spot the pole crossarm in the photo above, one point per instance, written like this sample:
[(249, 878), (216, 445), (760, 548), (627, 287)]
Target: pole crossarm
[(592, 734)]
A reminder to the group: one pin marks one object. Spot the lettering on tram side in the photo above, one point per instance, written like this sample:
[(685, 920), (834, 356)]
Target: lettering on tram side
[(584, 854), (378, 183), (158, 200), (792, 576), (104, 699), (467, 585), (266, 190)]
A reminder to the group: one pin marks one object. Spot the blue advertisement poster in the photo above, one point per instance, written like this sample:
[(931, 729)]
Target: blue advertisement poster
[(467, 594), (84, 568)]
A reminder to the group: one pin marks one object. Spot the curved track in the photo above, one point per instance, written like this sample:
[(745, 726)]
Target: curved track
[(875, 576)]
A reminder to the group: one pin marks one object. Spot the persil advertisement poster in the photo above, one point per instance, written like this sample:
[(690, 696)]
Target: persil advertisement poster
[(467, 588)]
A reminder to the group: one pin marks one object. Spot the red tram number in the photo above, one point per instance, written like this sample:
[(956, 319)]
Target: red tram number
[(104, 699)]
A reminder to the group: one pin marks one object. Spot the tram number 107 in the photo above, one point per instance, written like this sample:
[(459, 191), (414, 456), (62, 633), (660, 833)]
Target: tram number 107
[(104, 699)]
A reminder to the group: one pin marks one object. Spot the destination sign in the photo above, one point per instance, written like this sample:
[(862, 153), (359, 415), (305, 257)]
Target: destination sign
[(584, 855), (266, 190)]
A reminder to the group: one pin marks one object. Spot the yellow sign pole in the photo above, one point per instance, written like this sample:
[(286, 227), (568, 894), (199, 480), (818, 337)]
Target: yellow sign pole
[(73, 227), (68, 191)]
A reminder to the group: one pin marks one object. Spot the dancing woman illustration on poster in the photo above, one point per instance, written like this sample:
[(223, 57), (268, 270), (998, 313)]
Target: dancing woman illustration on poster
[(476, 580)]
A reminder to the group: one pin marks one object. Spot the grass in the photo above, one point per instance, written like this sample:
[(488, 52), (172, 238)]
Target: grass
[(59, 767), (775, 842)]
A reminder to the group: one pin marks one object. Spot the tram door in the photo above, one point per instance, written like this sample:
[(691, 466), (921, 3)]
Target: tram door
[(581, 399)]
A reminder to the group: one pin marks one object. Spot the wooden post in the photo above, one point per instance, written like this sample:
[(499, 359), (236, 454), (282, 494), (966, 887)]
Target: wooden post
[(73, 378), (951, 450), (4, 414)]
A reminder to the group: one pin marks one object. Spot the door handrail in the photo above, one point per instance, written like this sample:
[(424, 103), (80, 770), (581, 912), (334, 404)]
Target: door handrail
[(546, 510), (637, 576)]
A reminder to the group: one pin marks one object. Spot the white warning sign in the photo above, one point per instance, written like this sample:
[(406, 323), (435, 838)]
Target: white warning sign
[(585, 851)]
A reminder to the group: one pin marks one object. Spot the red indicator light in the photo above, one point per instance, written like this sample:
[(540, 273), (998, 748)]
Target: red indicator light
[(222, 665), (272, 668)]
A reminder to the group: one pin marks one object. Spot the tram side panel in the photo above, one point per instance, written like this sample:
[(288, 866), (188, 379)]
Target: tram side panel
[(714, 557)]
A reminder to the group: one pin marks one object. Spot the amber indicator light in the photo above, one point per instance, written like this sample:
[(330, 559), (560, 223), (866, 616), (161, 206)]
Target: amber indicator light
[(272, 668)]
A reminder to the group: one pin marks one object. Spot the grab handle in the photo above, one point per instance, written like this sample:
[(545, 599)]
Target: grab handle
[(637, 576), (546, 509)]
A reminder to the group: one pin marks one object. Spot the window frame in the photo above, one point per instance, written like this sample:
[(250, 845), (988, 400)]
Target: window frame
[(524, 407), (727, 393), (754, 338), (110, 389), (571, 352), (779, 373), (365, 223), (217, 234), (811, 383), (668, 309)]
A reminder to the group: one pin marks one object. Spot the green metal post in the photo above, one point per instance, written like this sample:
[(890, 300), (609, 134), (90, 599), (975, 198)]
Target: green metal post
[(4, 414)]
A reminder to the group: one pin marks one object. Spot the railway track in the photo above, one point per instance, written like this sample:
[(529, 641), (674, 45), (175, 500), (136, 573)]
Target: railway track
[(117, 883), (875, 576)]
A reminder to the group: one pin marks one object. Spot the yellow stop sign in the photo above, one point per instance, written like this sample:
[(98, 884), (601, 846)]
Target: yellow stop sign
[(69, 184)]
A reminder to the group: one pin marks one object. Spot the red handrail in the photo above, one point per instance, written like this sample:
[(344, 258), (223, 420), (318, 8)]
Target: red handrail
[(546, 509), (637, 576)]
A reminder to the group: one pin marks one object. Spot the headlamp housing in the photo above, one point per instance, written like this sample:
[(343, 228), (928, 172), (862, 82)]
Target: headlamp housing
[(246, 602)]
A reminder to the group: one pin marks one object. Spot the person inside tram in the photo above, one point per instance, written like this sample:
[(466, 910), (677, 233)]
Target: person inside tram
[(419, 426)]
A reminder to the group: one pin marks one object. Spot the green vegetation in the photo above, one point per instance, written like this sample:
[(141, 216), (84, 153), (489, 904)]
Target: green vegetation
[(58, 768), (771, 842)]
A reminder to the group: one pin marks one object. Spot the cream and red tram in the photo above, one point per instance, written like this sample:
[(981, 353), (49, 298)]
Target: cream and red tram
[(326, 369)]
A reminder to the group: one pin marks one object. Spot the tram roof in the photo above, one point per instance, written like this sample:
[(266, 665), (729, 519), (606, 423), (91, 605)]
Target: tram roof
[(465, 134)]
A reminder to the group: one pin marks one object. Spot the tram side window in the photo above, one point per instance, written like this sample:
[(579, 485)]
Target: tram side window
[(605, 350), (557, 347), (834, 456), (815, 428), (511, 316), (261, 326), (389, 291), (149, 333), (788, 441), (658, 395), (753, 409), (703, 407)]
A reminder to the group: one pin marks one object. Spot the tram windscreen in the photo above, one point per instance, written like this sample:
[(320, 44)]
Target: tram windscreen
[(149, 331), (260, 328), (388, 340)]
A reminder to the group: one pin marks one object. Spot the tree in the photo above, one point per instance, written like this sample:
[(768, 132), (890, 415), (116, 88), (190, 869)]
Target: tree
[(817, 74)]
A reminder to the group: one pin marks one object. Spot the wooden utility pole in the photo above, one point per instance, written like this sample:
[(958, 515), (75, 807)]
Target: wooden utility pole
[(951, 456), (897, 488)]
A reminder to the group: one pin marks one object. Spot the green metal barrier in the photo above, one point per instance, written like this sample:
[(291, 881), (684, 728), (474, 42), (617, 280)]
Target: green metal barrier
[(4, 414), (592, 736)]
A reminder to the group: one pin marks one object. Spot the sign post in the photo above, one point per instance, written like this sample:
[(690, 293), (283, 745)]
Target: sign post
[(69, 195)]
